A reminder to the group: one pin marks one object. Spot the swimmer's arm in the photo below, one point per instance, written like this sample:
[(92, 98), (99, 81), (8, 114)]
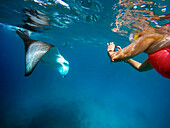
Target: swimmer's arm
[(135, 48), (141, 67)]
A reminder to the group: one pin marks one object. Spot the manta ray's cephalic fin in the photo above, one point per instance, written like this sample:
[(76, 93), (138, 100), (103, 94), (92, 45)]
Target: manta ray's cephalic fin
[(34, 51)]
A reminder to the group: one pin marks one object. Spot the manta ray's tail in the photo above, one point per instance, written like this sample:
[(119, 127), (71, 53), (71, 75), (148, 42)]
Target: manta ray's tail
[(34, 51)]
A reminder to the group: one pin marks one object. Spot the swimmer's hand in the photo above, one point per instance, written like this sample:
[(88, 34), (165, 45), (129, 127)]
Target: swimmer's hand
[(110, 47), (111, 50)]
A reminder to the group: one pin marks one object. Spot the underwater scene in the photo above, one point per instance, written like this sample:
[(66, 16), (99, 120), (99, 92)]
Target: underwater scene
[(56, 72)]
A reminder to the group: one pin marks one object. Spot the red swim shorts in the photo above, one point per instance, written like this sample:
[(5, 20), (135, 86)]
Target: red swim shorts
[(160, 60)]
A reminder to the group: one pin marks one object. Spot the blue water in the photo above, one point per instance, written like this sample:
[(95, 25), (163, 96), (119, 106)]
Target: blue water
[(95, 94)]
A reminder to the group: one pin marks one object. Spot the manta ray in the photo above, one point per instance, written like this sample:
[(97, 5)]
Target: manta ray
[(48, 54)]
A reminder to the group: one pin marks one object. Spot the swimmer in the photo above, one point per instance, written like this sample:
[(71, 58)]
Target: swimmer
[(149, 40)]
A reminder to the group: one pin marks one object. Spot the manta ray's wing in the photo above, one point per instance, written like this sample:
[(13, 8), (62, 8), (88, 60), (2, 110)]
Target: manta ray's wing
[(34, 51)]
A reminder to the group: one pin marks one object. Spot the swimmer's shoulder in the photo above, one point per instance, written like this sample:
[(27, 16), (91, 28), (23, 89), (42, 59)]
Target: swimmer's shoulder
[(161, 41), (158, 37)]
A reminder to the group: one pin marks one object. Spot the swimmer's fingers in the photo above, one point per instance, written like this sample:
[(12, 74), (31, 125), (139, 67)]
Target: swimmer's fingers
[(118, 48), (111, 43)]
